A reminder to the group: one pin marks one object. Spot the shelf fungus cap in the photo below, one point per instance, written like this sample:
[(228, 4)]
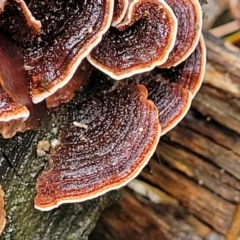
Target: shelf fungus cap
[(143, 40), (189, 74), (189, 16), (120, 9), (105, 145), (172, 90), (61, 52), (10, 110), (172, 101)]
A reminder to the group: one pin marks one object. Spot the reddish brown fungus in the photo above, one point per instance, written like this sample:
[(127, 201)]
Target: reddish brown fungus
[(66, 93), (14, 96), (189, 74), (120, 133), (74, 29), (189, 16), (140, 42), (16, 19), (105, 143), (120, 8), (172, 101), (172, 90)]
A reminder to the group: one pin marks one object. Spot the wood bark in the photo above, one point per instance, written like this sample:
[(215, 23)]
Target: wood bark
[(197, 163)]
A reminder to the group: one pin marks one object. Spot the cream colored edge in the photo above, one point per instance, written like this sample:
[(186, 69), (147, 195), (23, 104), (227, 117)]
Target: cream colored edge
[(155, 63), (192, 94), (130, 178), (177, 120), (23, 115), (32, 20), (197, 36), (40, 97), (2, 5)]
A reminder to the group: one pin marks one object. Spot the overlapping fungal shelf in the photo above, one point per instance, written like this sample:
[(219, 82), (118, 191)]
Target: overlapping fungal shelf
[(140, 42), (107, 143), (188, 32), (154, 46)]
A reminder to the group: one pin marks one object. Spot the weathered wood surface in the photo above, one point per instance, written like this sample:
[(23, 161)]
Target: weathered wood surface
[(197, 163)]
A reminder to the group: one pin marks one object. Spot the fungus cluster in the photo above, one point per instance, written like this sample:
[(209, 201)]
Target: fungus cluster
[(48, 50)]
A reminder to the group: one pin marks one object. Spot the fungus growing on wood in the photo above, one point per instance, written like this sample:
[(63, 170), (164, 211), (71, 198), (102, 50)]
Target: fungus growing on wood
[(106, 143), (189, 74), (173, 89), (189, 16), (140, 42), (68, 36), (17, 111), (12, 116)]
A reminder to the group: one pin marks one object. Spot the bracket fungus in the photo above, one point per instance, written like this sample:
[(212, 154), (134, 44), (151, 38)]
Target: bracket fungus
[(142, 41), (154, 45), (173, 89), (189, 16), (105, 144), (53, 60), (52, 57), (119, 11)]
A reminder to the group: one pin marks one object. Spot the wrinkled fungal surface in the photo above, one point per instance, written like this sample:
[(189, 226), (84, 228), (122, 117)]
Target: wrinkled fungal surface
[(189, 74), (189, 16), (140, 42), (105, 144), (172, 90), (69, 31), (172, 101), (106, 141), (68, 36), (120, 8)]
